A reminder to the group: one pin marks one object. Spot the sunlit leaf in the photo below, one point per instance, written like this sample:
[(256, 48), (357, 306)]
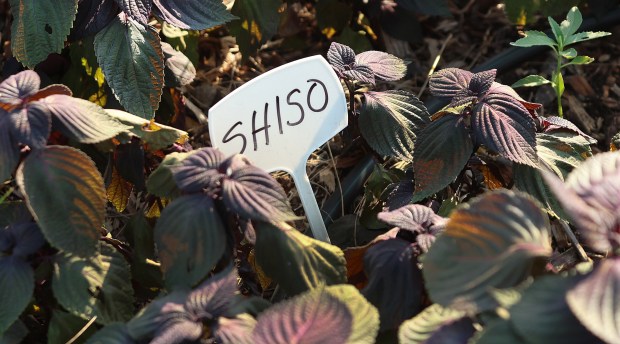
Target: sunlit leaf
[(132, 61), (18, 87), (418, 219), (82, 120), (16, 287), (235, 331), (534, 38), (383, 65), (96, 286), (481, 82), (193, 15), (492, 242), (118, 191), (190, 238), (67, 179), (180, 71), (559, 153), (199, 171), (442, 150), (254, 194), (585, 36), (531, 81), (390, 121), (40, 28), (340, 56), (595, 301), (315, 317), (297, 262), (155, 135), (31, 124), (365, 324), (552, 123), (394, 281), (590, 197), (448, 82), (572, 22), (428, 325), (503, 125), (114, 333)]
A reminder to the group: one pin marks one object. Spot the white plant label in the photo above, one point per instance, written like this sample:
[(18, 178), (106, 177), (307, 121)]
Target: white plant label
[(279, 118)]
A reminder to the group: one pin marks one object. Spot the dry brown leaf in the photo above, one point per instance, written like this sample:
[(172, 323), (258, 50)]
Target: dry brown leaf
[(118, 191)]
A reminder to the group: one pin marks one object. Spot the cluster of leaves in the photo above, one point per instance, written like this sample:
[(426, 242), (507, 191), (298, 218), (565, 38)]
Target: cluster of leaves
[(564, 34)]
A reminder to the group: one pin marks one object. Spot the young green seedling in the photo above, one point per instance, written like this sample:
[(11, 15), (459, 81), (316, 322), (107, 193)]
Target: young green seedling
[(564, 35)]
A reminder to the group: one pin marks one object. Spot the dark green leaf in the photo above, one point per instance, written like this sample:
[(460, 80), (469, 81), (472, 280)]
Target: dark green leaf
[(492, 242), (259, 23), (9, 150), (442, 150), (297, 262), (595, 301), (394, 281), (96, 286), (543, 315), (557, 31), (82, 120), (139, 234), (63, 326), (114, 333), (190, 238), (315, 317), (40, 28), (67, 179), (390, 120), (161, 182), (194, 15), (16, 287), (21, 239), (14, 334), (132, 61), (426, 325)]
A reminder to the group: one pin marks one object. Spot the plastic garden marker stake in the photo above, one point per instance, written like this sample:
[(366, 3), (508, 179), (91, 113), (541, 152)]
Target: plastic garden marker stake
[(279, 118)]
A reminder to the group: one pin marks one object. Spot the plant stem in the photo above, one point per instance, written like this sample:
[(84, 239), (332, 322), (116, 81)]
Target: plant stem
[(558, 77), (7, 194)]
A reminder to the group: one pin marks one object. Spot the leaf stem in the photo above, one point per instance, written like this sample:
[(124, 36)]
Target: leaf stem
[(6, 194)]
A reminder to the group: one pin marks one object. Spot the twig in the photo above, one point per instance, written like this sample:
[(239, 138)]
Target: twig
[(435, 63), (573, 239), (77, 335), (331, 156), (10, 191)]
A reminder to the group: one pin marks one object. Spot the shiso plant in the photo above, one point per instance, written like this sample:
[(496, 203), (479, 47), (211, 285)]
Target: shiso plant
[(563, 35), (470, 250)]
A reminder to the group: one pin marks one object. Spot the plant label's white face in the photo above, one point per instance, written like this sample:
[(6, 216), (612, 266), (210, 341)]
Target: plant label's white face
[(280, 117)]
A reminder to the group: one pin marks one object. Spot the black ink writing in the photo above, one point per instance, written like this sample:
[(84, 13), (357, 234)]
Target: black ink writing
[(265, 127), (301, 108), (227, 139)]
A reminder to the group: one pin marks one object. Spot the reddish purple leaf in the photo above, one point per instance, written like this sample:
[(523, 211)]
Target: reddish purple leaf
[(18, 87), (384, 66), (254, 194), (503, 125), (235, 331), (441, 151), (192, 15), (448, 82), (213, 297), (179, 71), (481, 82), (157, 314), (415, 218), (360, 73), (340, 57), (595, 301), (590, 195), (138, 10), (31, 125), (401, 195), (507, 90), (558, 123), (394, 281), (199, 171), (9, 151), (315, 317)]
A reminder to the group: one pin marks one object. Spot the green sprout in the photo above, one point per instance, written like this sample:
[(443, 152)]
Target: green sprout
[(564, 35)]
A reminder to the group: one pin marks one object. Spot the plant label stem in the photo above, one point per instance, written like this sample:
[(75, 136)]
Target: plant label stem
[(279, 118)]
